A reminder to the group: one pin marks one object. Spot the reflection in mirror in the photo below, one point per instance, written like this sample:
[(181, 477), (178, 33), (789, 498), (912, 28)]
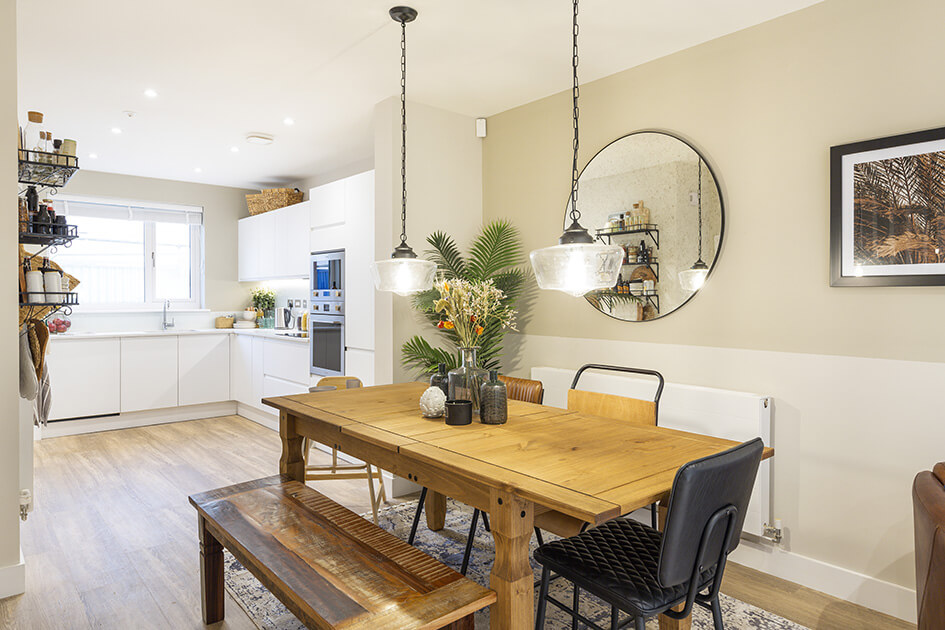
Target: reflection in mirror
[(654, 195)]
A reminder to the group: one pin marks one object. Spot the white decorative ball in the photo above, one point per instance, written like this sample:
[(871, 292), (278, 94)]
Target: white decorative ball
[(433, 402)]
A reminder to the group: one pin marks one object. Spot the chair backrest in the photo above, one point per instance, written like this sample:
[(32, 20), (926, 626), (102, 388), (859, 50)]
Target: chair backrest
[(524, 389), (928, 505), (340, 382), (643, 412), (701, 489)]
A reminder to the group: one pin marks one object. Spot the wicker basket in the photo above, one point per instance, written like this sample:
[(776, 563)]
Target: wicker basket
[(224, 322), (272, 199)]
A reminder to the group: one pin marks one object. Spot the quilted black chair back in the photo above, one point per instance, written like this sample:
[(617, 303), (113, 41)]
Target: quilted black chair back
[(703, 488)]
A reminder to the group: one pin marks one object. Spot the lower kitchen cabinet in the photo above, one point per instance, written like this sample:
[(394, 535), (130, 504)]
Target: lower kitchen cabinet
[(148, 373), (203, 369), (85, 377), (241, 369)]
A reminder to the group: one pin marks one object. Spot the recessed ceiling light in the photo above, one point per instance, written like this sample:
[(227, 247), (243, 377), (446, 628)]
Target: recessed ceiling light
[(198, 170), (150, 93), (93, 156), (235, 149), (259, 138), (288, 121), (116, 130)]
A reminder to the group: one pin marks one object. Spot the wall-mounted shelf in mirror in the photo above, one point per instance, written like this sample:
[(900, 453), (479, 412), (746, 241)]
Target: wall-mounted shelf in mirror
[(654, 195)]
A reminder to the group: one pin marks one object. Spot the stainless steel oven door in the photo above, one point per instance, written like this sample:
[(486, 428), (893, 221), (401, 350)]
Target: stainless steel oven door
[(327, 344)]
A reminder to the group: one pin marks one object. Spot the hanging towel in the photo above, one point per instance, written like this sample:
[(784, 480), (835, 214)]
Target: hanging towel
[(39, 339), (43, 400), (29, 384)]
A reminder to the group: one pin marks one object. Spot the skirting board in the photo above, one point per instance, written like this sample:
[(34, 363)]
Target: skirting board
[(134, 419), (13, 578), (394, 485), (891, 599)]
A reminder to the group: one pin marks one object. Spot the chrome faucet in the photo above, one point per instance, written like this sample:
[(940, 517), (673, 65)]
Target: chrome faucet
[(167, 324)]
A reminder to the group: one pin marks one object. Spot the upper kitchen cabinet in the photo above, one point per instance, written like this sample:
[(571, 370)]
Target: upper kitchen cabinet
[(328, 204), (275, 244)]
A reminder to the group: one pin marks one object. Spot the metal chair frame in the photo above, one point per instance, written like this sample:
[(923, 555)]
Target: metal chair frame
[(654, 512), (709, 600)]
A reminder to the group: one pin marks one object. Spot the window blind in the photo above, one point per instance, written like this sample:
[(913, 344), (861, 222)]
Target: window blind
[(189, 216)]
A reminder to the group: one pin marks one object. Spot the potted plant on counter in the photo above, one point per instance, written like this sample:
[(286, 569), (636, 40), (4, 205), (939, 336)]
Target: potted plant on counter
[(264, 299)]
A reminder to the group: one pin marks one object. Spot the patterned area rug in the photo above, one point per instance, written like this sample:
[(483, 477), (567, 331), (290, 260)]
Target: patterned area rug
[(448, 546)]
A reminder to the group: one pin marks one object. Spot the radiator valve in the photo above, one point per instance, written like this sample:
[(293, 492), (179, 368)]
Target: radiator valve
[(773, 532), (26, 503)]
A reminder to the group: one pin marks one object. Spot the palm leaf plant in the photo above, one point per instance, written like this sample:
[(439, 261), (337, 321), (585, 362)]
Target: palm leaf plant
[(495, 255)]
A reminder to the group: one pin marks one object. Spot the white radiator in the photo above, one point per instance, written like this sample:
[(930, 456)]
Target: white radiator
[(717, 412)]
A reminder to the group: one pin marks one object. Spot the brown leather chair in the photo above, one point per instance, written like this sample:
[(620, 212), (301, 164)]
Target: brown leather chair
[(524, 389), (928, 502)]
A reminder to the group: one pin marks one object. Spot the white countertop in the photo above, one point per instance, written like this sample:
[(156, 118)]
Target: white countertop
[(269, 333)]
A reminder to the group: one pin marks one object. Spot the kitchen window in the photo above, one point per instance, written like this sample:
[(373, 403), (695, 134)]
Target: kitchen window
[(134, 255)]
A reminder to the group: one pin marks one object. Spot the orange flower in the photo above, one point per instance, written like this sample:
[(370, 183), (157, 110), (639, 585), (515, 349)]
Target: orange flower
[(472, 319), (441, 324), (448, 325), (479, 330)]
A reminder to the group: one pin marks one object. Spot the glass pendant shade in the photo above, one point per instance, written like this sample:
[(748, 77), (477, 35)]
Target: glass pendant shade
[(577, 268), (403, 276), (693, 278)]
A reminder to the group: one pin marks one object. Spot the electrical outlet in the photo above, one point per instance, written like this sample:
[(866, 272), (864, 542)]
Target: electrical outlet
[(693, 199)]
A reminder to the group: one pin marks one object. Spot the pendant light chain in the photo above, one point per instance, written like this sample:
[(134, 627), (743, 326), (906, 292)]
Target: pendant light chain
[(700, 208), (575, 94), (403, 132)]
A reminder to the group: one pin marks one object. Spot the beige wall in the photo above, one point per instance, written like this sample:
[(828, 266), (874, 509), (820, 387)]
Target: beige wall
[(764, 105), (9, 411), (222, 208), (444, 192)]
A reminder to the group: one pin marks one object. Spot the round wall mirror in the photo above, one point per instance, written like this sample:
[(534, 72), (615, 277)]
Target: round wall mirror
[(655, 196)]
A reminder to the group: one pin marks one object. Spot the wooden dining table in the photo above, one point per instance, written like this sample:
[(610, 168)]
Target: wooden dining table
[(546, 466)]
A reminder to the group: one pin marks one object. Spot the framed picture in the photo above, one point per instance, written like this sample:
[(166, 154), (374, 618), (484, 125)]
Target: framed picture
[(887, 211)]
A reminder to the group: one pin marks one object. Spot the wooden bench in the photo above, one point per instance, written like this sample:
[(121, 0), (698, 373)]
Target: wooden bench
[(330, 567)]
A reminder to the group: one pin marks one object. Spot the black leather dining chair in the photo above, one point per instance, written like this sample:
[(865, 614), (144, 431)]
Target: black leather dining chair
[(643, 572)]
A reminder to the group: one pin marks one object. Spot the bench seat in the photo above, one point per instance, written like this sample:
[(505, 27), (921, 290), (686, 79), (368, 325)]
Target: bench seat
[(330, 567)]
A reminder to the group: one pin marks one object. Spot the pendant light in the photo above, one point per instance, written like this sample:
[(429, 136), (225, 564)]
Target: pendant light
[(577, 264), (403, 273), (693, 278)]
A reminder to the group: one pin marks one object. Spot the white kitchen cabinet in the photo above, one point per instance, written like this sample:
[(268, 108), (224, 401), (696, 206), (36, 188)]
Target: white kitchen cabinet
[(359, 254), (275, 244), (248, 248), (84, 377), (327, 204), (360, 363), (259, 352), (273, 386), (287, 360), (241, 368), (203, 368), (148, 373)]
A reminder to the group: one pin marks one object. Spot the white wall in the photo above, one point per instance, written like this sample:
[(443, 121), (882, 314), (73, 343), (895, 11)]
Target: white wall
[(12, 573), (444, 192)]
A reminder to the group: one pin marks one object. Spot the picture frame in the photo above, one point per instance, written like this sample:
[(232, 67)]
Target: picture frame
[(887, 211)]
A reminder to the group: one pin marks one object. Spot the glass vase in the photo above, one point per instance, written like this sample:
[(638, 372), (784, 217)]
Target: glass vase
[(493, 401), (465, 381)]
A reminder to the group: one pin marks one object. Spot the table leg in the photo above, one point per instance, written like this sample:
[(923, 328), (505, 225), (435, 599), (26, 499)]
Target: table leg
[(211, 574), (668, 623), (292, 462), (512, 579), (435, 507)]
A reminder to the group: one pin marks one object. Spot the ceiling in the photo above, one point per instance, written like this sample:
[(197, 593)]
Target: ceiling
[(225, 68)]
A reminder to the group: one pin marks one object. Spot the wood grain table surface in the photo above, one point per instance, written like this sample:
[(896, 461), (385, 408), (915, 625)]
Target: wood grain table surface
[(547, 463)]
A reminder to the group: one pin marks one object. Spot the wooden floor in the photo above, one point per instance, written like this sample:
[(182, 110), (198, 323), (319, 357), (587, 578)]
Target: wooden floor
[(112, 542)]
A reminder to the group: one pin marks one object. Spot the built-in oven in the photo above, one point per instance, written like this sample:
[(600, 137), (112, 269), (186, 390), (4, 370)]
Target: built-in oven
[(328, 275), (326, 320), (326, 335)]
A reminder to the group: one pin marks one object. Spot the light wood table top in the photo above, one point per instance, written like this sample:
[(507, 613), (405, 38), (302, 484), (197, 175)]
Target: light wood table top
[(543, 459)]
